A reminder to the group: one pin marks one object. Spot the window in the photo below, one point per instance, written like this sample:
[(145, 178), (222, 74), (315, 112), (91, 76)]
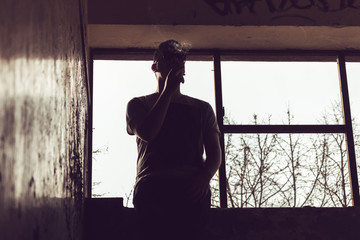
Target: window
[(283, 133), (353, 73), (270, 89), (114, 151)]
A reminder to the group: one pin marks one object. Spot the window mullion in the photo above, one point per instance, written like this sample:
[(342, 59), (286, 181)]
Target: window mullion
[(284, 129), (220, 119), (349, 131), (88, 162)]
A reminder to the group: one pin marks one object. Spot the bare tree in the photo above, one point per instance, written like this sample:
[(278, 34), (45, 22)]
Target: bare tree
[(287, 170), (253, 169), (98, 151)]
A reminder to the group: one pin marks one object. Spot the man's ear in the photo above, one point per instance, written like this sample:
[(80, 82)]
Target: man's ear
[(154, 67)]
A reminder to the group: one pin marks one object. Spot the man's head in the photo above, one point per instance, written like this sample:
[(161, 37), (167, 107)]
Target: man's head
[(170, 54)]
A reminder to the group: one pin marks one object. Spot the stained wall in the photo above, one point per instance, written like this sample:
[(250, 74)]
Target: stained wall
[(43, 112)]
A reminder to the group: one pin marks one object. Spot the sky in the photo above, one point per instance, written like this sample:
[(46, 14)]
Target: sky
[(262, 88)]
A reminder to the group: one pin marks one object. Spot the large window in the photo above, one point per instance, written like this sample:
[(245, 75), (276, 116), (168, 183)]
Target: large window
[(114, 151), (285, 139)]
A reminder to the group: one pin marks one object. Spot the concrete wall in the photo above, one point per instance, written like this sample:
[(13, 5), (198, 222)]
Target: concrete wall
[(43, 112), (226, 12), (226, 24), (106, 219)]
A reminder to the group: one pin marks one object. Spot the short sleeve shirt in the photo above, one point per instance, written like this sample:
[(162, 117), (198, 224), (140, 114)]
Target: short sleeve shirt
[(179, 145)]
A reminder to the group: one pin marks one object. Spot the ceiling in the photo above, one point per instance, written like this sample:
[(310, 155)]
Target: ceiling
[(209, 24), (226, 37)]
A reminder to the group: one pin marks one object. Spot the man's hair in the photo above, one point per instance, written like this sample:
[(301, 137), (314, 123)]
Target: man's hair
[(170, 49)]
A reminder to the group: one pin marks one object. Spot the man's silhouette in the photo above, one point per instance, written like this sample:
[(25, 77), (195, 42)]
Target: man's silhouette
[(172, 130)]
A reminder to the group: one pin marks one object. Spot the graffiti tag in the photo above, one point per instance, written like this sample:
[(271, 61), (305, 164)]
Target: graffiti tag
[(226, 7)]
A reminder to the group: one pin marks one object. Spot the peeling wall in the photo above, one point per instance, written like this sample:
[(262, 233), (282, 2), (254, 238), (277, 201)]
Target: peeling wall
[(43, 112)]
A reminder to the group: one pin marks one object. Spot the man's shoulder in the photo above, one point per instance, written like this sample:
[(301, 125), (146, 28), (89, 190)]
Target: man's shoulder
[(192, 101), (146, 100), (145, 97)]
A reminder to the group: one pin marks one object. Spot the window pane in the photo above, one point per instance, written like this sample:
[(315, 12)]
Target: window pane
[(215, 192), (115, 153), (199, 81), (287, 170), (269, 89), (353, 74)]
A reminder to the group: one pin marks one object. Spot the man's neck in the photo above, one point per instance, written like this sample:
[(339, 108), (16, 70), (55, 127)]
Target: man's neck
[(160, 88), (175, 95)]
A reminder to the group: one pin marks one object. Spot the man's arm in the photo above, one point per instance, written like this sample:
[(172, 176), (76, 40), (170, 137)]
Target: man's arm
[(148, 127), (200, 183), (213, 154)]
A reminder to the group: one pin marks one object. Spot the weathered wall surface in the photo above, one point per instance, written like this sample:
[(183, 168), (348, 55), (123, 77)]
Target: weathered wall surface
[(226, 24), (43, 108), (227, 12)]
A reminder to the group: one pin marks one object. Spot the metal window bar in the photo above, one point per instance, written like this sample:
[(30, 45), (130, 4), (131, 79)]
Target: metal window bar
[(220, 119), (348, 131), (88, 168), (284, 128)]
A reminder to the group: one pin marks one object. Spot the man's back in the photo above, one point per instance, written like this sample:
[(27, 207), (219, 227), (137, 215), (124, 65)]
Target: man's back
[(179, 145), (172, 189)]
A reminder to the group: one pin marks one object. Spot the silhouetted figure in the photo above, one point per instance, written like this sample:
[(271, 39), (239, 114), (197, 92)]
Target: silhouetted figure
[(172, 194)]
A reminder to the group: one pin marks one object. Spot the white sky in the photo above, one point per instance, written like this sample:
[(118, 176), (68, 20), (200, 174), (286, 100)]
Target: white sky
[(248, 88)]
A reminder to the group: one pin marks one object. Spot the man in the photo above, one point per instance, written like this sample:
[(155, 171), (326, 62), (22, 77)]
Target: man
[(172, 187)]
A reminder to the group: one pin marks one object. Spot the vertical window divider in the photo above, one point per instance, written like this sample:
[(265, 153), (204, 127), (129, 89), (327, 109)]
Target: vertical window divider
[(88, 167), (220, 120), (349, 131)]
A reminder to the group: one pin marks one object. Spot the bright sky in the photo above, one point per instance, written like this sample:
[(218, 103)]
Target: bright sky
[(248, 88)]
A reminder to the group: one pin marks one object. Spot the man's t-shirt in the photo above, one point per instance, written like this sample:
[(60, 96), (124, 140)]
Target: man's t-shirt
[(178, 148)]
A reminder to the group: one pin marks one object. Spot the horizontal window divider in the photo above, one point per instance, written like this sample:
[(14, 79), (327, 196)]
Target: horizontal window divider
[(284, 128), (229, 54)]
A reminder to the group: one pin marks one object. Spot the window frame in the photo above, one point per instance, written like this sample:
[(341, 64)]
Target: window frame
[(245, 55)]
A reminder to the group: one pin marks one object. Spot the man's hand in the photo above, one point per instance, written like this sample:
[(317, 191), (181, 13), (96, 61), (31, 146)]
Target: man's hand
[(148, 127), (173, 80), (200, 181), (199, 187)]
